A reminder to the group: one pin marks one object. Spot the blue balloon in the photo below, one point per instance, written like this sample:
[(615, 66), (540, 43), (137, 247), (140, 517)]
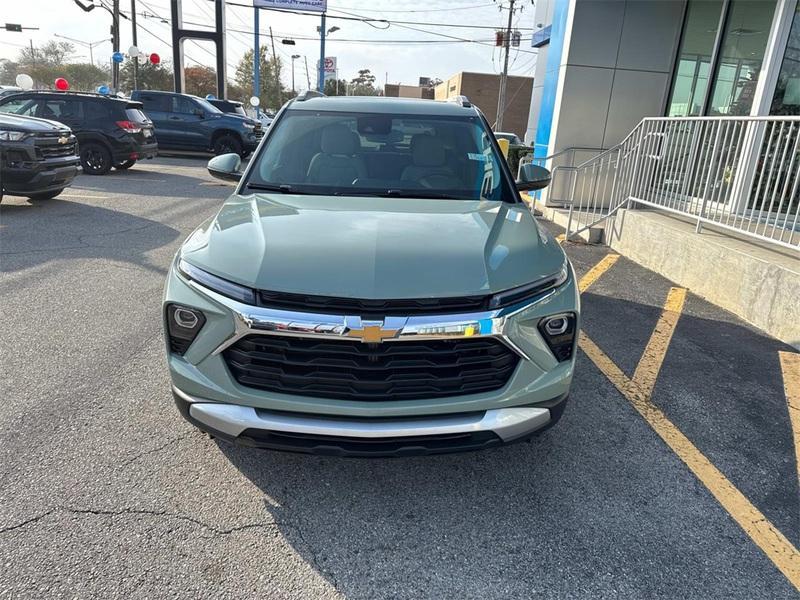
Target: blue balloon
[(210, 97), (103, 89), (118, 57)]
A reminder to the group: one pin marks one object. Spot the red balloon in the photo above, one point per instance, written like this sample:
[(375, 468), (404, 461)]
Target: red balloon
[(62, 84), (155, 58)]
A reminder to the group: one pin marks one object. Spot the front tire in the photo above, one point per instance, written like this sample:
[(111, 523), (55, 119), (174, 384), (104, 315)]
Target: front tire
[(227, 144), (45, 195), (125, 164), (95, 159)]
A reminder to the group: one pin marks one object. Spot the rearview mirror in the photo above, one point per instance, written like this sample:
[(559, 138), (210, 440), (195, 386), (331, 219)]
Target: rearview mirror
[(532, 177), (226, 167)]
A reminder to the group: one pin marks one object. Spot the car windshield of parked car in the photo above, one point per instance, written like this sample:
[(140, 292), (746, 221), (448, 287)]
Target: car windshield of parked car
[(19, 106), (338, 153), (207, 106)]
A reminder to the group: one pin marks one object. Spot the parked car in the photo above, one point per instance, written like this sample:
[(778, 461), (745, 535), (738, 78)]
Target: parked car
[(38, 158), (185, 122), (374, 286), (111, 132), (513, 138), (231, 107)]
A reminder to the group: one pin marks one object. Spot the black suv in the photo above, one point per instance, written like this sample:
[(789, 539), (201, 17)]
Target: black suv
[(185, 122), (111, 132), (38, 158)]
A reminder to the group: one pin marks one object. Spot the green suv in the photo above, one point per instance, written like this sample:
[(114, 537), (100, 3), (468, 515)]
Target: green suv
[(374, 286)]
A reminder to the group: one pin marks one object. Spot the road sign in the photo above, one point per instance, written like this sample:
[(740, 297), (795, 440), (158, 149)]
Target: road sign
[(312, 5)]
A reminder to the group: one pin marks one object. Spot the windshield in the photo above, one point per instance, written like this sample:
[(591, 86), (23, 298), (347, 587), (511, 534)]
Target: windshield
[(380, 154)]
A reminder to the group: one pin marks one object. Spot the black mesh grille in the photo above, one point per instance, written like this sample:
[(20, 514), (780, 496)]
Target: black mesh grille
[(372, 308), (49, 147), (352, 370)]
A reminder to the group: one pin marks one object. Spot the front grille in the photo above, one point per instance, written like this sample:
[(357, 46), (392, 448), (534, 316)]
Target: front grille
[(47, 146), (353, 370), (258, 131), (404, 307)]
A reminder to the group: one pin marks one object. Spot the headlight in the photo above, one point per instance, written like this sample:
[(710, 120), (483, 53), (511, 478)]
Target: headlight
[(12, 136), (528, 291), (249, 126), (219, 285), (183, 325)]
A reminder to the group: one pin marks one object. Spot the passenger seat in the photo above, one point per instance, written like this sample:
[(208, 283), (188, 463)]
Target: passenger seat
[(429, 162)]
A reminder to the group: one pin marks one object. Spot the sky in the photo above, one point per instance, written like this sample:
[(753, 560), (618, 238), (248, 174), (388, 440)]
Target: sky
[(393, 52)]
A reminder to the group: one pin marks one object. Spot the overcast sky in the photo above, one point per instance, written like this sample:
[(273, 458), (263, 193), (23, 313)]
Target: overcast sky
[(401, 62)]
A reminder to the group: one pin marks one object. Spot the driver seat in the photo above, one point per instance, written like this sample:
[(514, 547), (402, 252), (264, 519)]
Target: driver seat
[(429, 162), (337, 163)]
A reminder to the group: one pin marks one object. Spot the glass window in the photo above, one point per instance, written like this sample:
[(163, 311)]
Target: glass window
[(786, 100), (381, 155), (155, 102), (697, 46), (741, 54), (181, 104), (61, 109), (20, 106)]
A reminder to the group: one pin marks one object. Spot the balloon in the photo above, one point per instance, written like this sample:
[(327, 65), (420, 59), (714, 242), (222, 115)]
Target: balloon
[(210, 97), (62, 84), (117, 57), (24, 81), (103, 89), (133, 52), (155, 58), (254, 101)]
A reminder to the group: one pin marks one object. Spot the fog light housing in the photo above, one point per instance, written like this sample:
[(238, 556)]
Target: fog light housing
[(559, 332), (183, 325)]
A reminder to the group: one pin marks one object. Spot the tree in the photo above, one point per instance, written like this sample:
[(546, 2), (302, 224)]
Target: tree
[(271, 91), (335, 87), (151, 77), (364, 84), (8, 72), (85, 76), (200, 80)]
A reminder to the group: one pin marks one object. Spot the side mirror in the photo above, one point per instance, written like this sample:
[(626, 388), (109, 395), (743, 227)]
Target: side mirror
[(226, 167), (532, 177)]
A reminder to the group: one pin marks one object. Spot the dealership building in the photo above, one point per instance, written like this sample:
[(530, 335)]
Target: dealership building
[(605, 64)]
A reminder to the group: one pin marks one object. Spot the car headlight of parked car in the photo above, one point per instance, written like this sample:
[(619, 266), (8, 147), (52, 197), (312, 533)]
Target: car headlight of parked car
[(12, 136), (219, 285)]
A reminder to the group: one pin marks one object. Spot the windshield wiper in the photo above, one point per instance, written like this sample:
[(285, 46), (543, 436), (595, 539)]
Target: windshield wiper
[(392, 193), (271, 187)]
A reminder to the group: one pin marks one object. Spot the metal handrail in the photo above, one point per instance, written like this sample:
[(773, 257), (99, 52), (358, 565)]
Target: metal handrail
[(738, 174)]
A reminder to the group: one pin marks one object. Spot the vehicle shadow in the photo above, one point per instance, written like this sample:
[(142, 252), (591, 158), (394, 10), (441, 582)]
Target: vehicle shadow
[(61, 232), (583, 510), (154, 183)]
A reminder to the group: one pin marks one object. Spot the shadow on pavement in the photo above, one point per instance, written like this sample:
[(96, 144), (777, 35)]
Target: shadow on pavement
[(66, 229)]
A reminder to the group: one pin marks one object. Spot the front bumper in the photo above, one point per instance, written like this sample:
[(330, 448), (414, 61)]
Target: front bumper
[(41, 178), (348, 436), (216, 402)]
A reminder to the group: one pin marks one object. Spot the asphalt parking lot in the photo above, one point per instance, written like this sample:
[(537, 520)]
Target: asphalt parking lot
[(673, 473)]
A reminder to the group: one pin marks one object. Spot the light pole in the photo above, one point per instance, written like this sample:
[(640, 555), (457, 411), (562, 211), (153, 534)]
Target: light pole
[(115, 15), (294, 56), (322, 34), (89, 45)]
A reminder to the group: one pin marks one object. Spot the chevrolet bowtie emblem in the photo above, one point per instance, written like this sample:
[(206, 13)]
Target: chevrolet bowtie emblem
[(63, 140), (372, 334)]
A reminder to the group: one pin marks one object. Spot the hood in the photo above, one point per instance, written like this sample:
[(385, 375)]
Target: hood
[(362, 247), (237, 118), (30, 124)]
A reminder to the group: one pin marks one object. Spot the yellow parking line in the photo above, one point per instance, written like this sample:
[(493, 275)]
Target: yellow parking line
[(596, 271), (765, 535), (650, 364), (790, 367), (560, 238)]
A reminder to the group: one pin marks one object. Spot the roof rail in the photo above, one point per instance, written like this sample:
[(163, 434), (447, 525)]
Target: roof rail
[(303, 96), (462, 100)]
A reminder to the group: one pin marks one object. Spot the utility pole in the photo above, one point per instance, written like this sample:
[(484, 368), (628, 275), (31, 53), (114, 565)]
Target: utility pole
[(275, 69), (308, 77), (134, 42), (256, 59), (115, 43), (501, 100)]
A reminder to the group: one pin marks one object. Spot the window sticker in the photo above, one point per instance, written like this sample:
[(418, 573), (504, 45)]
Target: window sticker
[(479, 157)]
